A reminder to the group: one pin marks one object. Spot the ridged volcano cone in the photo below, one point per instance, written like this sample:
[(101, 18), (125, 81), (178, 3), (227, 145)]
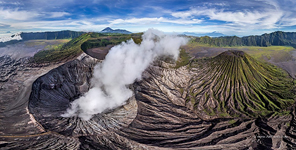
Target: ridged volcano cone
[(235, 84)]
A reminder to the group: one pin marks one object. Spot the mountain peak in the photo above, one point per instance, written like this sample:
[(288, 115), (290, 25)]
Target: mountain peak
[(236, 84), (107, 29), (120, 31)]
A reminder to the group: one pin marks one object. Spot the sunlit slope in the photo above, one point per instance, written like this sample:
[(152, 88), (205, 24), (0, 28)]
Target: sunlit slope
[(70, 50), (235, 84), (80, 44)]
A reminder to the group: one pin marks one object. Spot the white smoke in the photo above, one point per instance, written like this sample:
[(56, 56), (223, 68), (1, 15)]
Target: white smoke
[(122, 66), (16, 36)]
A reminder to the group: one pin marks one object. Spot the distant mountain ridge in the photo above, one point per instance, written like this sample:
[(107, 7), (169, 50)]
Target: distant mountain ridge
[(66, 34), (50, 35), (211, 34), (24, 36), (278, 38), (120, 31)]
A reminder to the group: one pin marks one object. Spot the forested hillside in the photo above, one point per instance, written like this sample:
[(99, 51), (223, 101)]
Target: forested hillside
[(278, 38), (50, 35), (80, 44)]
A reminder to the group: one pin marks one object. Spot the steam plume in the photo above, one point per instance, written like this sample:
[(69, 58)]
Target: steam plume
[(122, 66)]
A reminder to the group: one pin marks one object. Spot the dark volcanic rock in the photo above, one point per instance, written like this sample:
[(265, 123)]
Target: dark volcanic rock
[(10, 66), (54, 91), (52, 94)]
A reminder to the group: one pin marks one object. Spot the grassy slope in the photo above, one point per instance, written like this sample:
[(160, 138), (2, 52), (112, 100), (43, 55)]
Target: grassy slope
[(240, 85), (50, 43), (102, 40), (75, 47), (277, 53), (67, 51), (184, 59), (246, 86)]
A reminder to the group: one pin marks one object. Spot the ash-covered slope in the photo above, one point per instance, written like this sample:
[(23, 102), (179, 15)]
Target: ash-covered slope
[(235, 84), (166, 111), (53, 92)]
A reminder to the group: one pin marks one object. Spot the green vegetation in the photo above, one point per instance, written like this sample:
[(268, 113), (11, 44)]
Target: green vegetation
[(35, 42), (220, 41), (235, 84), (278, 53), (223, 115), (56, 46), (76, 46), (50, 35), (95, 43), (269, 53), (50, 44), (102, 40), (61, 52), (183, 60), (232, 121), (278, 38)]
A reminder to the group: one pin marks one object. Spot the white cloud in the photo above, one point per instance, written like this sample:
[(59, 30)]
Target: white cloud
[(190, 13), (265, 18), (58, 14), (16, 14), (268, 19), (81, 25), (2, 25), (10, 3), (155, 21), (240, 16), (289, 22), (215, 4), (24, 15)]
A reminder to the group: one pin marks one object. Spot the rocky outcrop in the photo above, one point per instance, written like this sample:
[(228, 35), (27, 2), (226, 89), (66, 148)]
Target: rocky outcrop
[(10, 67), (165, 119)]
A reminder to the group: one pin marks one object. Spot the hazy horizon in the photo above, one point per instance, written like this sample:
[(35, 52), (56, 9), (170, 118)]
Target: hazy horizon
[(241, 18)]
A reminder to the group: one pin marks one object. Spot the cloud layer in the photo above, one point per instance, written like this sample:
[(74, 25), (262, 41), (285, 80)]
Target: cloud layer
[(122, 66), (234, 17)]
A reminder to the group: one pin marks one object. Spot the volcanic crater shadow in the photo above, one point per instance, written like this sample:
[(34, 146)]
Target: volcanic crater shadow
[(53, 93)]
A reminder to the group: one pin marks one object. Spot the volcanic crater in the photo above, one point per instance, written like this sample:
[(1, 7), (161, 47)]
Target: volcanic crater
[(229, 101)]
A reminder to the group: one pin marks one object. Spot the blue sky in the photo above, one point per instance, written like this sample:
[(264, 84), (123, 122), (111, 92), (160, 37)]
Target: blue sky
[(231, 17)]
